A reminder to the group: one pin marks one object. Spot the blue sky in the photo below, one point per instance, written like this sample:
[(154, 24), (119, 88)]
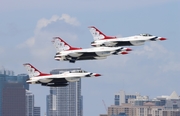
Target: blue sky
[(27, 28)]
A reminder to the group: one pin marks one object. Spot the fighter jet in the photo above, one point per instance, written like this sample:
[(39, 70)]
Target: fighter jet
[(100, 39), (65, 52), (55, 80)]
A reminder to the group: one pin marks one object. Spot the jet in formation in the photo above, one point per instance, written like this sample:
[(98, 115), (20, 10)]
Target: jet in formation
[(66, 52), (100, 39), (55, 80)]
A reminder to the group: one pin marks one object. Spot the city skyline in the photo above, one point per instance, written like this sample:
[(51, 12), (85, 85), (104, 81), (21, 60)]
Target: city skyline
[(10, 78), (27, 28), (137, 105)]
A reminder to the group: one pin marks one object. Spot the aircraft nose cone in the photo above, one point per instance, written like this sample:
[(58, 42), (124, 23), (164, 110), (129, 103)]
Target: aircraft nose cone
[(57, 58), (162, 38), (28, 82), (128, 49), (97, 75), (93, 45)]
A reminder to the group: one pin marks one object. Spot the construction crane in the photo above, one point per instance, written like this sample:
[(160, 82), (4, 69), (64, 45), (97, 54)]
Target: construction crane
[(104, 105)]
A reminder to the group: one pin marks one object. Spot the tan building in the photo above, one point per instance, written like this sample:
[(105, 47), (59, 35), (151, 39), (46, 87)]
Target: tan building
[(171, 113), (148, 109), (124, 108)]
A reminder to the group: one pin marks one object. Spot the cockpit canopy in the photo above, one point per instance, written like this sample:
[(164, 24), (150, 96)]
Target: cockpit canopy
[(146, 34), (77, 71)]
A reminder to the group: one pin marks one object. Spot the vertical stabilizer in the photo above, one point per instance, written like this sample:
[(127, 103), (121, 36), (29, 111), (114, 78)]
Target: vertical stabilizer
[(32, 71), (98, 35), (61, 45)]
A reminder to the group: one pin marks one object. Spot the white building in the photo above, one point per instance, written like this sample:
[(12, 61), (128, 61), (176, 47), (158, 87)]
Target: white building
[(171, 102), (121, 97)]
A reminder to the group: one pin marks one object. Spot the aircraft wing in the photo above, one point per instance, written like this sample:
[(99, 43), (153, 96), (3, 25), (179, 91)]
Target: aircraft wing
[(123, 42), (54, 84), (129, 42), (98, 53), (74, 54), (72, 57)]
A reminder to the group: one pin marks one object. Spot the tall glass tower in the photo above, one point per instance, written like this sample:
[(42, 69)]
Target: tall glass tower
[(7, 82), (14, 100), (65, 101)]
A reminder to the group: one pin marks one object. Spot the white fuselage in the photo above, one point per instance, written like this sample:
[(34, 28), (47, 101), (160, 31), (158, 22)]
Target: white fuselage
[(125, 41), (89, 53), (69, 77)]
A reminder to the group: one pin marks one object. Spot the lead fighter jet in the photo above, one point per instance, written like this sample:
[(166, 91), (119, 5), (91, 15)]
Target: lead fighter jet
[(100, 39), (65, 52), (55, 80)]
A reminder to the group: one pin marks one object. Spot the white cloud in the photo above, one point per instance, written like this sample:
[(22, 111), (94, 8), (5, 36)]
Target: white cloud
[(171, 66), (40, 44), (65, 17), (168, 61), (70, 20), (153, 50), (28, 43)]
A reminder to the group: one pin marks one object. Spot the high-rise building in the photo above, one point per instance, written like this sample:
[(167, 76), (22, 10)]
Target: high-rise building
[(7, 76), (31, 110), (3, 74), (14, 100), (122, 97), (2, 81), (37, 111), (65, 101), (13, 91), (21, 78), (29, 103)]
